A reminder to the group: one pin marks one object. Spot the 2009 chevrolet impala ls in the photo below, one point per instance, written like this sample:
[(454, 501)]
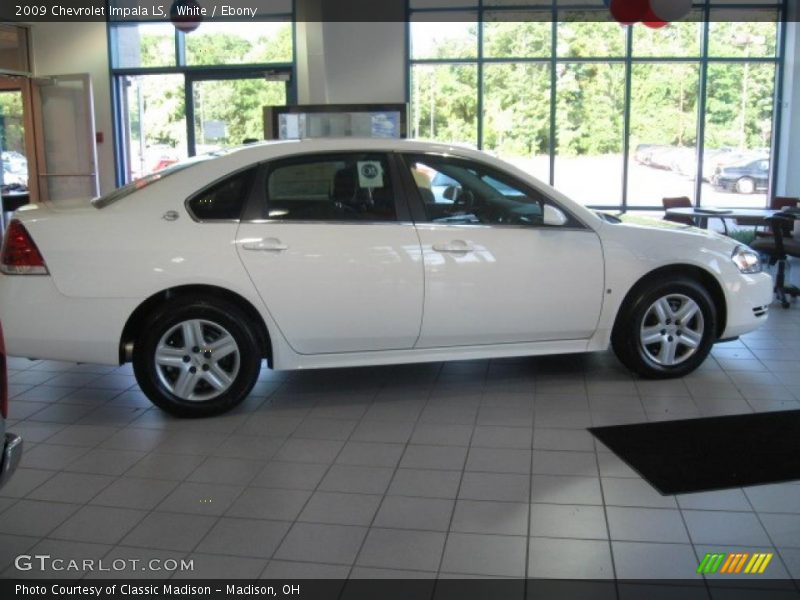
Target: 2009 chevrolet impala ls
[(339, 253)]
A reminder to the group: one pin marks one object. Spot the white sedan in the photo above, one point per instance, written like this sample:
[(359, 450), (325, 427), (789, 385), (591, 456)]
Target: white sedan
[(337, 253)]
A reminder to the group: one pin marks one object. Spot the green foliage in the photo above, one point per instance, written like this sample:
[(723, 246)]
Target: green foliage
[(590, 95), (238, 103)]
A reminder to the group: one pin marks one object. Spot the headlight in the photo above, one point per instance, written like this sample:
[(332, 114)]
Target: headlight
[(746, 260)]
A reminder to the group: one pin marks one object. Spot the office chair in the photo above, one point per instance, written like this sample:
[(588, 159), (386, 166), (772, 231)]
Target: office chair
[(778, 248), (679, 202), (777, 203)]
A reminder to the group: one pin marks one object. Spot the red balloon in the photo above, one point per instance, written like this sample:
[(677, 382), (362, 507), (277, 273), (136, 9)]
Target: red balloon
[(628, 12), (652, 21)]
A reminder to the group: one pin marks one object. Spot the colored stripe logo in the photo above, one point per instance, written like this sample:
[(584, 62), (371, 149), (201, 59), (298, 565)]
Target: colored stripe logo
[(735, 563)]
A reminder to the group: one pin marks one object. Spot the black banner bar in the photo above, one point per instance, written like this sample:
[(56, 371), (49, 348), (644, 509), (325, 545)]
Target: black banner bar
[(400, 589), (133, 11)]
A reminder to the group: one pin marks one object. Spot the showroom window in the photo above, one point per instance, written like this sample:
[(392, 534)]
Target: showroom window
[(179, 94), (615, 117), (355, 187)]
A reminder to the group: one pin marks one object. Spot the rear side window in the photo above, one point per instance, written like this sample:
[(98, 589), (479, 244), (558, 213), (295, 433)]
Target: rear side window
[(224, 200), (349, 187)]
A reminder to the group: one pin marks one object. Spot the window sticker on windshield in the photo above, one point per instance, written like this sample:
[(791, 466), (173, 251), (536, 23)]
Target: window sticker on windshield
[(370, 174)]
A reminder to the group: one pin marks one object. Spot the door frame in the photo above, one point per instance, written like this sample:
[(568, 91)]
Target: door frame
[(23, 84), (201, 75)]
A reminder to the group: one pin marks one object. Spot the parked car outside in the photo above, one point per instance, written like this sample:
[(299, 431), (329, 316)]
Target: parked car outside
[(12, 444), (334, 253), (744, 177)]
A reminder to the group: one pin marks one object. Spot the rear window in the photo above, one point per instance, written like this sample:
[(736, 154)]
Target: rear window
[(147, 180), (224, 200)]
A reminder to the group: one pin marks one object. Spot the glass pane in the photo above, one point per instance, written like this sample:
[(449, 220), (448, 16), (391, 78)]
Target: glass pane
[(14, 49), (444, 102), (143, 45), (681, 38), (463, 192), (663, 148), (579, 37), (743, 33), (589, 119), (444, 35), (517, 35), (228, 112), (154, 115), (738, 134), (335, 188), (224, 43), (12, 142), (516, 115)]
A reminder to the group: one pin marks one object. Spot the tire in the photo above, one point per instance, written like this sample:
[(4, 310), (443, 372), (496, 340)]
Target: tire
[(183, 376), (745, 185), (650, 315)]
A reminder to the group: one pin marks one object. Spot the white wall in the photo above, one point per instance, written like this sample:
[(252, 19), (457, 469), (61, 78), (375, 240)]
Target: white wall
[(788, 174), (68, 48)]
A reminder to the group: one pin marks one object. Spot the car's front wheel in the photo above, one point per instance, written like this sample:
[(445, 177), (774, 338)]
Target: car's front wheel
[(197, 358), (666, 330), (745, 185)]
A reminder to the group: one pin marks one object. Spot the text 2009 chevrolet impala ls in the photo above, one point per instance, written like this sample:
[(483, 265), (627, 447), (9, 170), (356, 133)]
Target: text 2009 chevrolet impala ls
[(339, 253)]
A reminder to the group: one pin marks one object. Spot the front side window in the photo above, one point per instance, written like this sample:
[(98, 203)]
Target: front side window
[(348, 187), (464, 192), (224, 200)]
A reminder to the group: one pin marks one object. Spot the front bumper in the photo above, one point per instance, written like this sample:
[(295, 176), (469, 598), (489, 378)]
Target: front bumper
[(12, 453), (749, 299)]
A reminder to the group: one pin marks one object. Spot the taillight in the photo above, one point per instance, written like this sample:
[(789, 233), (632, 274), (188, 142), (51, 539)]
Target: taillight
[(20, 256), (3, 377)]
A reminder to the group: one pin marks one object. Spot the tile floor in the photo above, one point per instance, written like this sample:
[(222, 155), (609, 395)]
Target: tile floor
[(450, 469)]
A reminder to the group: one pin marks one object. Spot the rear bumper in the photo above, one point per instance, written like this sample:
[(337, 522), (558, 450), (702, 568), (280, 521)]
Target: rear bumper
[(40, 322), (12, 453)]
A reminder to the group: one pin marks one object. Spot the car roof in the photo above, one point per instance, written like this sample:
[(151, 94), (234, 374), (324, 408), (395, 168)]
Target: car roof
[(271, 149)]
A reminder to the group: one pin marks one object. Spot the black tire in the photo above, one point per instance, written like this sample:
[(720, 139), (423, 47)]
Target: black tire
[(216, 315), (626, 338)]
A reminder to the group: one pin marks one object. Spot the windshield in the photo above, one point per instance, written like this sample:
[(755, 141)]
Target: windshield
[(145, 181)]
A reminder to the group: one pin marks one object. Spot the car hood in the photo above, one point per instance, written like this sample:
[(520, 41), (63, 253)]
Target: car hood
[(681, 231)]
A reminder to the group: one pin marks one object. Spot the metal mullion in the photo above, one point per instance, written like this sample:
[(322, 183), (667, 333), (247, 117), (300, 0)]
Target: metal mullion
[(777, 111), (514, 59), (553, 93), (443, 61), (479, 106), (701, 116), (626, 120)]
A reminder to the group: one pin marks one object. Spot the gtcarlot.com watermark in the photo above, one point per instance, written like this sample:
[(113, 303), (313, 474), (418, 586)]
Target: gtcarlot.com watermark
[(46, 562)]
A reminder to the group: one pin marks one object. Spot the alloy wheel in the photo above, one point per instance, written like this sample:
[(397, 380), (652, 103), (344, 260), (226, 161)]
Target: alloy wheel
[(672, 330), (197, 360)]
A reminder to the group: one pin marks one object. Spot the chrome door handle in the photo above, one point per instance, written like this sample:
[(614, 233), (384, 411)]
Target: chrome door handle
[(269, 245), (454, 247)]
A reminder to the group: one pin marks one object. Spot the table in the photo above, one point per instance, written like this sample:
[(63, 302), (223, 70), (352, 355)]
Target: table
[(701, 216)]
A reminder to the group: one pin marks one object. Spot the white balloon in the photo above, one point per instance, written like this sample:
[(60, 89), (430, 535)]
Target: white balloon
[(670, 10)]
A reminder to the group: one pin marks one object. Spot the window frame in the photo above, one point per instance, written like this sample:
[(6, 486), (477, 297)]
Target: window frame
[(191, 74), (704, 7), (420, 214), (257, 207)]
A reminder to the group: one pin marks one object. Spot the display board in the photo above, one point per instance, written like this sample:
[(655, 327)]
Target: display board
[(335, 120)]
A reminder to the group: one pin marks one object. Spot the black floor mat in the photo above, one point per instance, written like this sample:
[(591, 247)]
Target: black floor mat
[(697, 455)]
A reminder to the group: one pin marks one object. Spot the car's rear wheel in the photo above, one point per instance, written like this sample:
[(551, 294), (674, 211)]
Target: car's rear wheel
[(666, 329), (745, 185), (197, 358)]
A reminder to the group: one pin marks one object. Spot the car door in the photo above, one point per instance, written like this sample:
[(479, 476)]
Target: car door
[(334, 254), (494, 272)]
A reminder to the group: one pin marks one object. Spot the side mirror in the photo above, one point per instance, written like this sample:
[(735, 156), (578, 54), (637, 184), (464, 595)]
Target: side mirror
[(554, 216)]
